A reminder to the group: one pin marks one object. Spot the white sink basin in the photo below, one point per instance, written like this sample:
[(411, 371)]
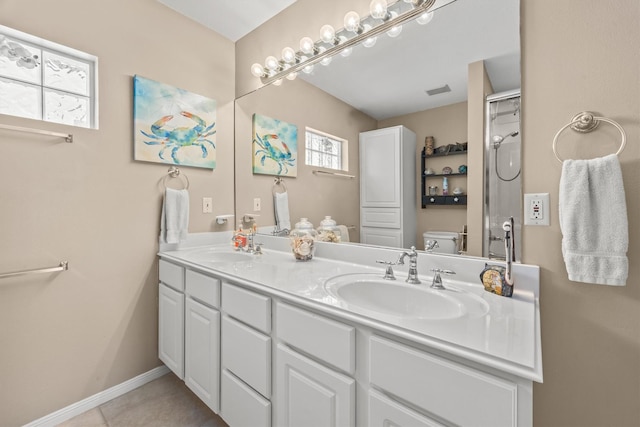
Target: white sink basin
[(396, 298), (219, 254)]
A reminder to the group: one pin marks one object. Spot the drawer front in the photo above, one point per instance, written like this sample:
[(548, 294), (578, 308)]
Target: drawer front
[(247, 354), (325, 339), (384, 412), (171, 275), (246, 306), (453, 392), (203, 288), (389, 237), (241, 406), (380, 217)]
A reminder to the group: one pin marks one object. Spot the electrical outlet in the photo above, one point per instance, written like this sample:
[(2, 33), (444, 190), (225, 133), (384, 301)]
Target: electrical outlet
[(536, 208), (256, 204), (207, 205)]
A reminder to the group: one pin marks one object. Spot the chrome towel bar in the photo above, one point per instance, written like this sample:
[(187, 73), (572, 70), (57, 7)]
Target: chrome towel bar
[(67, 136), (63, 266), (343, 175)]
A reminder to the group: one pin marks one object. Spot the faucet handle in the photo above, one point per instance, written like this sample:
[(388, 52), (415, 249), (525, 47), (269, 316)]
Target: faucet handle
[(388, 274), (257, 248), (437, 280)]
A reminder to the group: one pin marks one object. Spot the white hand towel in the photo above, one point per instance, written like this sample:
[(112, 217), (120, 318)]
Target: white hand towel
[(281, 205), (174, 222), (593, 221), (344, 233)]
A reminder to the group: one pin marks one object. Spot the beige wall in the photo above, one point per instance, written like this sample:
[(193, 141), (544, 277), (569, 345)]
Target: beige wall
[(310, 195), (447, 125), (67, 336), (582, 55)]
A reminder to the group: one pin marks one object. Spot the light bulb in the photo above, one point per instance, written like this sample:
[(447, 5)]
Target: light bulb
[(352, 22), (307, 45), (308, 69), (326, 60), (272, 63), (292, 76), (277, 82), (369, 41), (345, 52), (257, 70), (425, 18), (288, 55), (327, 33), (378, 9), (396, 29)]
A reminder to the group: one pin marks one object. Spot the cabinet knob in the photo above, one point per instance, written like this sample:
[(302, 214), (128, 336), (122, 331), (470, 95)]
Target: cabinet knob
[(432, 200), (455, 199)]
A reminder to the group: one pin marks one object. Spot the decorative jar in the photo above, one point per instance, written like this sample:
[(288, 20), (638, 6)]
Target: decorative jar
[(328, 231), (303, 238)]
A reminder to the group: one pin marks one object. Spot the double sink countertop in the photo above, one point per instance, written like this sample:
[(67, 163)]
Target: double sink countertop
[(499, 332)]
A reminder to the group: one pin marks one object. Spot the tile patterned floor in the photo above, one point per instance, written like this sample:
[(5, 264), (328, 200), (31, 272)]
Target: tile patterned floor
[(164, 402)]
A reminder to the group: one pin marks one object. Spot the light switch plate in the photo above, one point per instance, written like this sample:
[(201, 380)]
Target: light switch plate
[(536, 209), (207, 205)]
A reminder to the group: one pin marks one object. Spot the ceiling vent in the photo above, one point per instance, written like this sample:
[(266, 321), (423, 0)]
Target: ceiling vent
[(443, 89)]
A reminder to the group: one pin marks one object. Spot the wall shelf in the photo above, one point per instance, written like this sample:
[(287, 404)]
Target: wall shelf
[(449, 200)]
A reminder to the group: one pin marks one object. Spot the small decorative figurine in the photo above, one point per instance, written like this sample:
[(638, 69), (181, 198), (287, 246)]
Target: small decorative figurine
[(462, 168), (447, 170)]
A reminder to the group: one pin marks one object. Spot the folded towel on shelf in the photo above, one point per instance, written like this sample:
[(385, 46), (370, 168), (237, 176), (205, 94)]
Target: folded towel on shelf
[(344, 233), (593, 221), (174, 222), (281, 207)]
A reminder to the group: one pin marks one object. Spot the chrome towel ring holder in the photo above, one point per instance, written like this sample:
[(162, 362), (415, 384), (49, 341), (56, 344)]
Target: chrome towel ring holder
[(174, 172), (586, 122), (278, 182)]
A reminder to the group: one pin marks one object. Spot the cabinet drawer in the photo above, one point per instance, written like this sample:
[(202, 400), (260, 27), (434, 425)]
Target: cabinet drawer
[(246, 306), (380, 217), (326, 339), (247, 353), (384, 412), (389, 237), (171, 275), (453, 392), (203, 288), (241, 406)]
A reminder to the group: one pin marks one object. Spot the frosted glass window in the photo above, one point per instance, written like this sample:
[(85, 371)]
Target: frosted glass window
[(61, 72), (20, 99), (43, 80), (324, 150), (67, 108)]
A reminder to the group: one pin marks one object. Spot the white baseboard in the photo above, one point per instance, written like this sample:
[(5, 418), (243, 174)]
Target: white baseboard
[(98, 399)]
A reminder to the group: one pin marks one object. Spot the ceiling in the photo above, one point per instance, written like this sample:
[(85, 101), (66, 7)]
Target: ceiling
[(392, 77)]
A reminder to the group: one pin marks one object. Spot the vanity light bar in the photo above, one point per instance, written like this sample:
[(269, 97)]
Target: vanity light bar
[(419, 8)]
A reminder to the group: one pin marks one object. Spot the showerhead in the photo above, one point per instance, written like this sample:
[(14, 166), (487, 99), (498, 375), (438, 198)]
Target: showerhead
[(497, 139)]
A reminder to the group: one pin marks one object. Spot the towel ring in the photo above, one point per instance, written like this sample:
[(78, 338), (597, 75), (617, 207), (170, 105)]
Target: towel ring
[(174, 172), (586, 122), (278, 181)]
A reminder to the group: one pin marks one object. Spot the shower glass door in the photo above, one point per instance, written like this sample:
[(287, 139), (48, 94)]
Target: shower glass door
[(503, 188)]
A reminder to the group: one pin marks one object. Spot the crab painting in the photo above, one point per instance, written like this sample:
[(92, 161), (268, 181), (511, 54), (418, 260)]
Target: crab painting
[(269, 151), (176, 138)]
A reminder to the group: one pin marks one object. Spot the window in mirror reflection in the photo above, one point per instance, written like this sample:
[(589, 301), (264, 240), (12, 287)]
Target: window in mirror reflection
[(324, 150)]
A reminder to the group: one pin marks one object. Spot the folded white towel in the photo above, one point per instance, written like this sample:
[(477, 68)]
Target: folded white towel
[(174, 222), (593, 221), (281, 207)]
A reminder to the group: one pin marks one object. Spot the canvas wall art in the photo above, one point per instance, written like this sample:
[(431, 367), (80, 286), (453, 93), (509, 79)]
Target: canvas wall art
[(275, 147), (172, 125)]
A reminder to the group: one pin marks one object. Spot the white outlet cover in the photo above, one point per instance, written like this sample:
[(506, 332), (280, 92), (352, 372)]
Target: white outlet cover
[(542, 216)]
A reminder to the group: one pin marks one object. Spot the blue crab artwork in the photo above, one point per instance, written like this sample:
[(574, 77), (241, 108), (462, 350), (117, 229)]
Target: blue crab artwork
[(275, 147), (173, 126)]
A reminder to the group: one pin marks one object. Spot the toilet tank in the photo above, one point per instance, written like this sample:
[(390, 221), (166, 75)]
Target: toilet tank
[(447, 241)]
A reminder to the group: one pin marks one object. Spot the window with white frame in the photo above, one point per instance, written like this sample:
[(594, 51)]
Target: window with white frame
[(46, 81), (324, 150)]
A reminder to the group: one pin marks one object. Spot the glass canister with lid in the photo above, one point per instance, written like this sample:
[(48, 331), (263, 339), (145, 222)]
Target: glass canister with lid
[(303, 238), (328, 230)]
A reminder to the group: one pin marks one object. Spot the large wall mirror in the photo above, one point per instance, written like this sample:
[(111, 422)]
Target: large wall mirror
[(377, 87)]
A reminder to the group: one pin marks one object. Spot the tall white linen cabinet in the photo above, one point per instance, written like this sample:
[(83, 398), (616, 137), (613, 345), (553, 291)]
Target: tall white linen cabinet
[(388, 205)]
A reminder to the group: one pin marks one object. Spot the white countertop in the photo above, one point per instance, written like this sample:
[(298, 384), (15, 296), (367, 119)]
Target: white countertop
[(506, 338)]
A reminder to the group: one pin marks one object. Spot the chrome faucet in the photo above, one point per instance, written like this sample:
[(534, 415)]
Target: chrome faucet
[(412, 278), (430, 245), (509, 249)]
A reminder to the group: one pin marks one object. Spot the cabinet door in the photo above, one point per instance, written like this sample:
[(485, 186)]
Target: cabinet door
[(380, 168), (381, 237), (309, 394), (202, 352), (384, 412), (171, 329)]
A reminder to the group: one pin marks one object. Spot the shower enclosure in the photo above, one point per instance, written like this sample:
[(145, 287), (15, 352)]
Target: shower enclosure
[(503, 189)]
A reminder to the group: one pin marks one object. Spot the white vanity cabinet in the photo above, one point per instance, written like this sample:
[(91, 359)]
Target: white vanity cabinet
[(171, 317), (387, 187), (246, 357), (314, 361), (202, 338)]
